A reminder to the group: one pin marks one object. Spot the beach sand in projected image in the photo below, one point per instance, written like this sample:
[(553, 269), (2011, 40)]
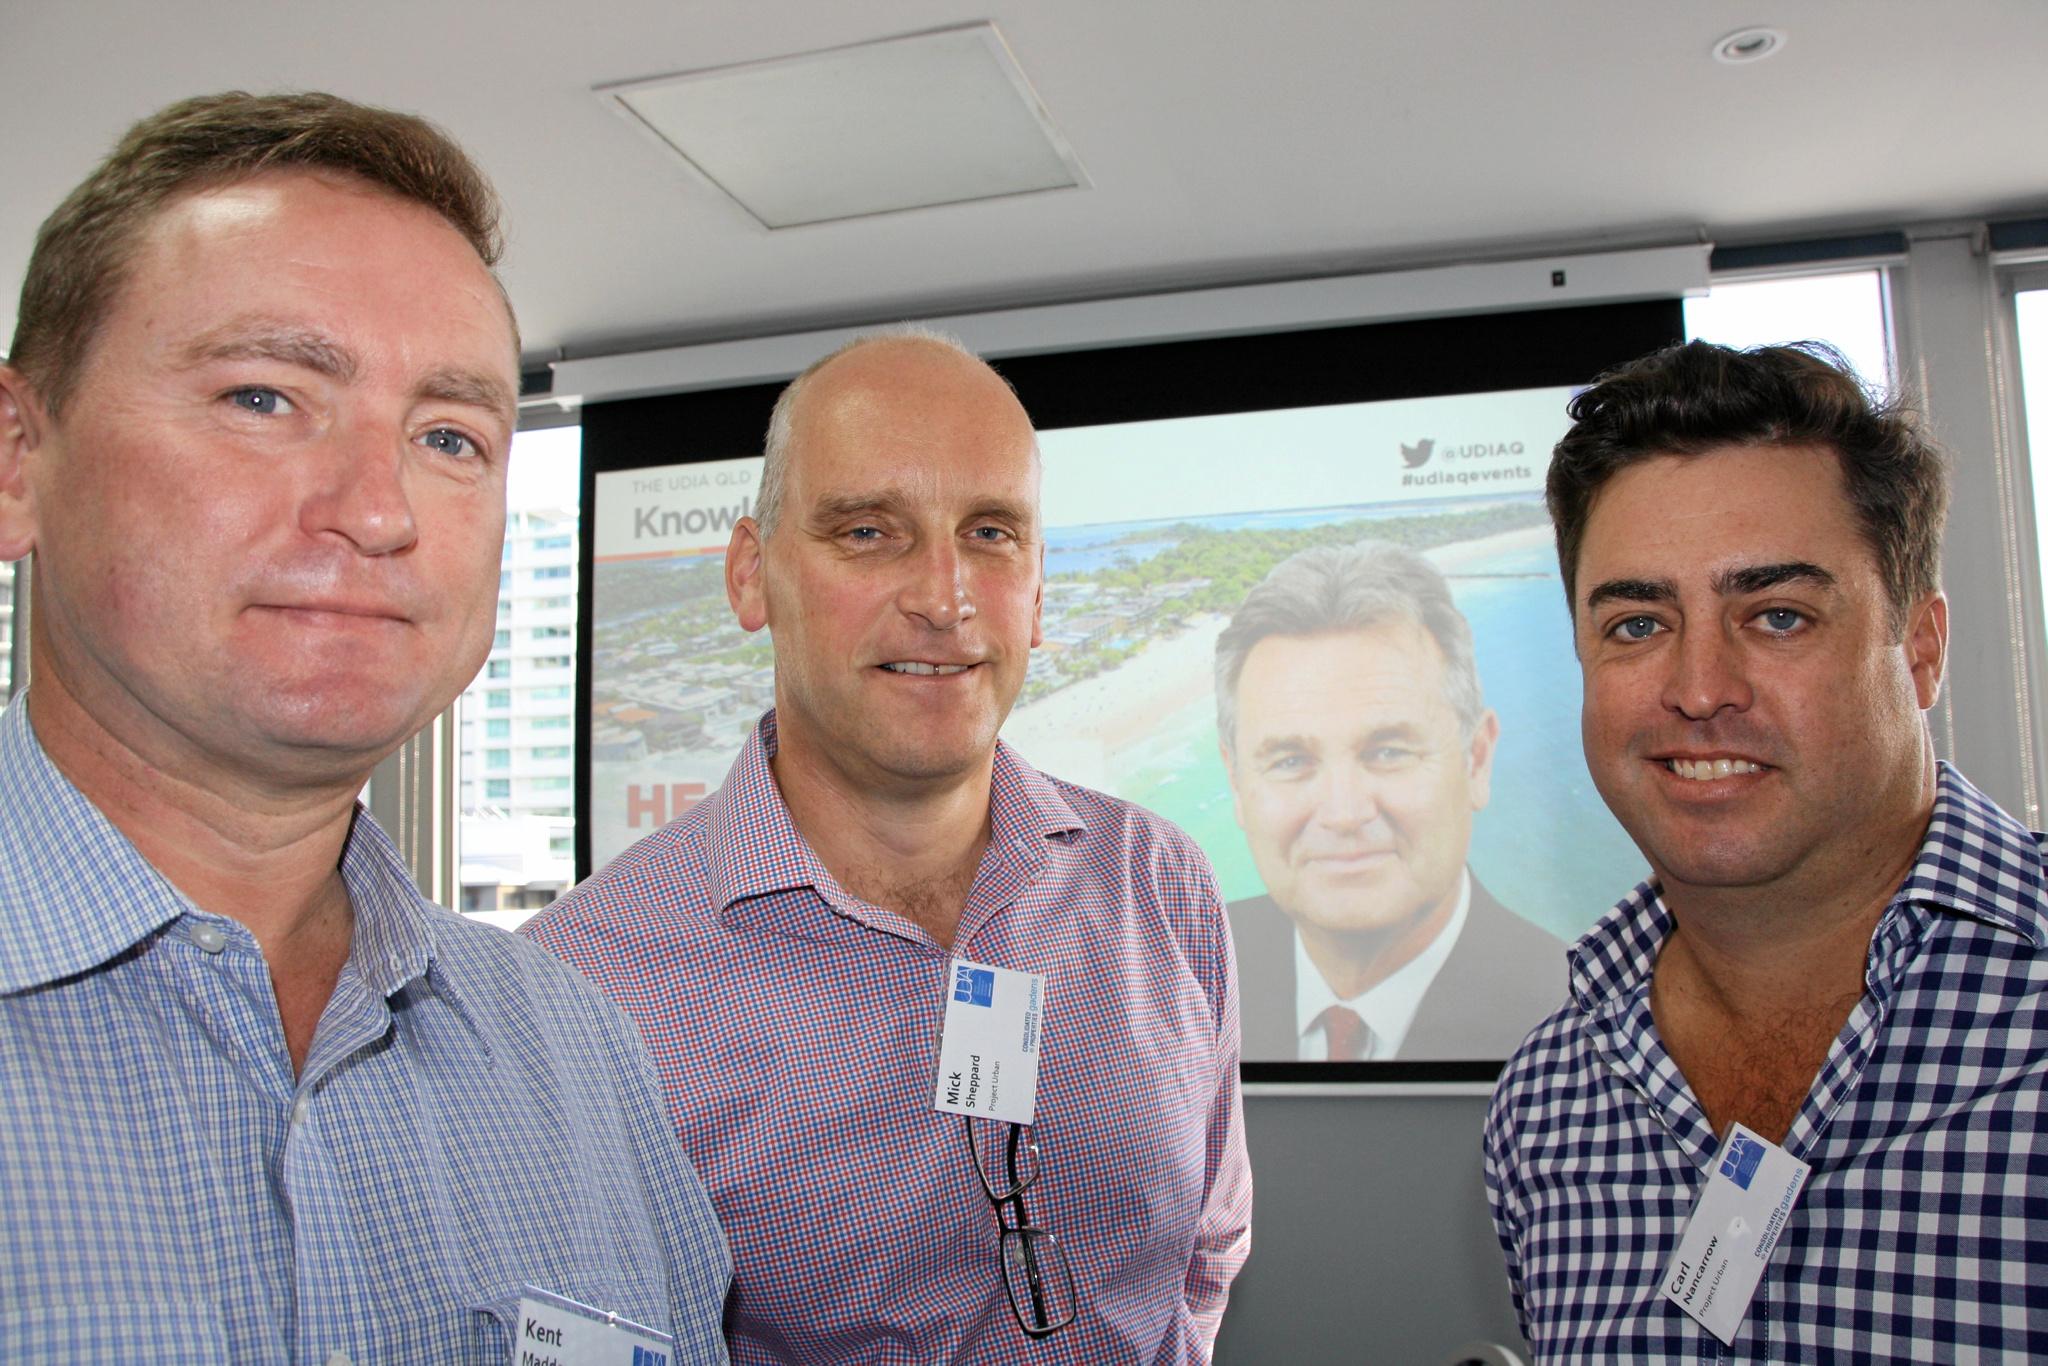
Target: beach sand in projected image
[(1144, 728)]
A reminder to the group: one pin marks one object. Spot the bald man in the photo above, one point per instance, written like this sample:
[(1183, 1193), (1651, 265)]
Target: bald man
[(825, 956)]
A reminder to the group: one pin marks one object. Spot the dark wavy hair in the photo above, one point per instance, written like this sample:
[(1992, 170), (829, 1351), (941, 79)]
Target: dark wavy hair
[(1690, 399)]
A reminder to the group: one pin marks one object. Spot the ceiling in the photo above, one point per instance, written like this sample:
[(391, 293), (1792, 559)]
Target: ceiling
[(1225, 142)]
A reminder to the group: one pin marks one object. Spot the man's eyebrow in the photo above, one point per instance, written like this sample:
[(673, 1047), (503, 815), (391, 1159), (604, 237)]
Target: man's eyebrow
[(1757, 578), (833, 506), (1284, 744), (1632, 590), (473, 389), (1003, 510), (260, 340)]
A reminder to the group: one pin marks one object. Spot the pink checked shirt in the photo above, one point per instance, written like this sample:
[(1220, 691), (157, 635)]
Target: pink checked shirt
[(796, 1029)]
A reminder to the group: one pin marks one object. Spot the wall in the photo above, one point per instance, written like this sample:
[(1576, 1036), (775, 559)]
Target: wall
[(1370, 1237)]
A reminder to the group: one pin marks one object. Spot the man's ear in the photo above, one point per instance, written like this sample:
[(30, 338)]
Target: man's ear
[(1926, 646), (1485, 736), (744, 587), (23, 426)]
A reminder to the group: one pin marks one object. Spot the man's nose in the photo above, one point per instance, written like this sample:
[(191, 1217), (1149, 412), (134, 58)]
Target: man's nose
[(359, 489), (1347, 797), (1707, 675), (935, 586)]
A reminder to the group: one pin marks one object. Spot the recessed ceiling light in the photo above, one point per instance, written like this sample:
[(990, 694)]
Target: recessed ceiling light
[(1749, 45), (903, 123)]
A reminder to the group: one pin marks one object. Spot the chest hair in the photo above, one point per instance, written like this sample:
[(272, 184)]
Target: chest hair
[(1755, 1071), (933, 903)]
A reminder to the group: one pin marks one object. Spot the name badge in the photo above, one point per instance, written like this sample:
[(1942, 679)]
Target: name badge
[(554, 1330), (988, 1053), (1736, 1222)]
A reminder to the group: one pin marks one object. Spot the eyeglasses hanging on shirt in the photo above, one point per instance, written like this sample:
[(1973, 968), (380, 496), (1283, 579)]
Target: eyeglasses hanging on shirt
[(1036, 1274)]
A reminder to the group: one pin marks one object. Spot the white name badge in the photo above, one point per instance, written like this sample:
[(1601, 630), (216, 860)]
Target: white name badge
[(988, 1053), (1727, 1243), (556, 1331)]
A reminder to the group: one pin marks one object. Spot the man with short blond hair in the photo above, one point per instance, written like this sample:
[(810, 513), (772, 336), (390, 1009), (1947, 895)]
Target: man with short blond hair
[(799, 947), (263, 1101)]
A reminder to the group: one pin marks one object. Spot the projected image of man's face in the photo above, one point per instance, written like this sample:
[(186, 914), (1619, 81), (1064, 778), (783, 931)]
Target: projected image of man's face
[(1352, 779)]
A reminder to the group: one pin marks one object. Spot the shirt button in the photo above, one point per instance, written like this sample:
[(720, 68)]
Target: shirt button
[(302, 1107), (209, 938), (338, 1359)]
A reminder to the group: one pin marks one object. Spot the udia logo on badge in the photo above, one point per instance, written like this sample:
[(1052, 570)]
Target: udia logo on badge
[(1740, 1162), (989, 1044), (976, 986)]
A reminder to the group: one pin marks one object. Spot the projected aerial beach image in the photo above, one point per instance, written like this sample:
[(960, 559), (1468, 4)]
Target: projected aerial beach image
[(1156, 533)]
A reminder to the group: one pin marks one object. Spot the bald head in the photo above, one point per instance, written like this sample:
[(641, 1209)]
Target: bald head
[(895, 558), (902, 368)]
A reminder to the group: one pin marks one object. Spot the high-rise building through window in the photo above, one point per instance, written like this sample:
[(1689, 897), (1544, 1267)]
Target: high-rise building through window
[(6, 631), (516, 776)]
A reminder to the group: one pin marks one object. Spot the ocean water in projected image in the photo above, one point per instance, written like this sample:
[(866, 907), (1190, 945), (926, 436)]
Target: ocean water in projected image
[(1121, 697)]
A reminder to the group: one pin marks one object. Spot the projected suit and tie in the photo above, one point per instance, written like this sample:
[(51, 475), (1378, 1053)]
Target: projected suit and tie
[(1359, 751)]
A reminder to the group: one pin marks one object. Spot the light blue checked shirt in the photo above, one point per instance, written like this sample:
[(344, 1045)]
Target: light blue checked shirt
[(472, 1119)]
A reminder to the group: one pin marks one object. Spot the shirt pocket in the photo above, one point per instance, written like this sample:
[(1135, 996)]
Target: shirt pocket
[(489, 1333), (94, 1330)]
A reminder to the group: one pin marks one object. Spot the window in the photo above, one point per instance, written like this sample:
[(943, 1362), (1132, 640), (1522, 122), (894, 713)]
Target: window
[(2031, 314), (519, 854), (6, 632), (1845, 309)]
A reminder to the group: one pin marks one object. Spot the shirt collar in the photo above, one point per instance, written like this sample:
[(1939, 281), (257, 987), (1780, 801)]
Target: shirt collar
[(393, 942), (1975, 860), (755, 847), (1388, 1007), (75, 892)]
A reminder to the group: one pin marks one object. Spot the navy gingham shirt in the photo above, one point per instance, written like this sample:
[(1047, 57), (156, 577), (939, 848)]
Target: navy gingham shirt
[(796, 1028), (1922, 1235), (472, 1118)]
